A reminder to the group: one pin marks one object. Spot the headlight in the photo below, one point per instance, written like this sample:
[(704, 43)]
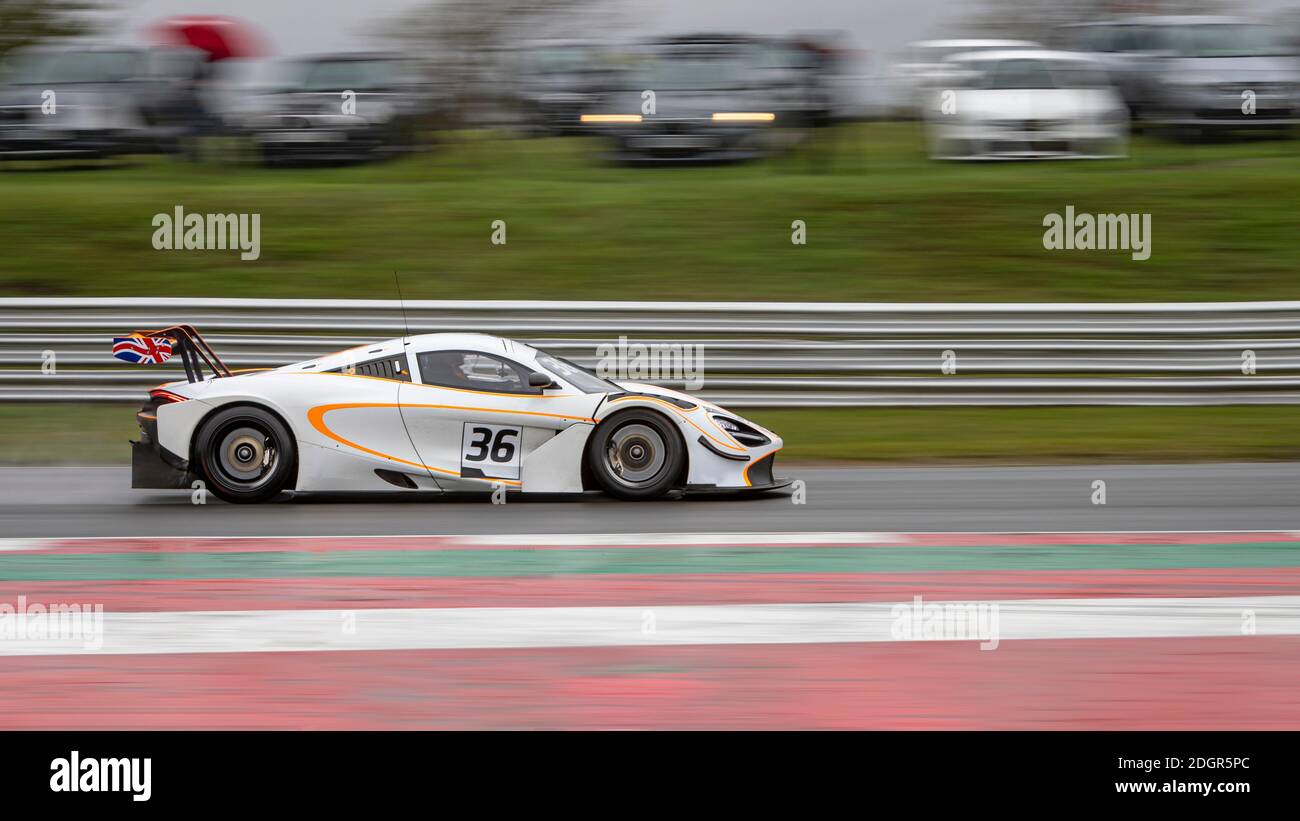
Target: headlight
[(743, 117), (742, 433), (610, 118)]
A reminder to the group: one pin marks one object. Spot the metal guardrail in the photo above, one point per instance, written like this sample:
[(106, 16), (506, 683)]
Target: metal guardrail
[(755, 354)]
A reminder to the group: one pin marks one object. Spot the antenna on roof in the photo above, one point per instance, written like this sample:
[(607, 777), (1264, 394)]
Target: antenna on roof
[(402, 302)]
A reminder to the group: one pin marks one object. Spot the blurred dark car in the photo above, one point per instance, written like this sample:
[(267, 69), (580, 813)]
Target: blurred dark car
[(1194, 72), (554, 82), (712, 102), (800, 73), (96, 102), (311, 117)]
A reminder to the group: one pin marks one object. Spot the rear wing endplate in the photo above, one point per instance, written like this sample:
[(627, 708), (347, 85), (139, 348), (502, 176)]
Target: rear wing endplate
[(194, 350)]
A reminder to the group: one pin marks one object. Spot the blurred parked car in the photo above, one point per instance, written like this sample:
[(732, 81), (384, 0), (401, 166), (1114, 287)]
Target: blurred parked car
[(692, 99), (554, 83), (1028, 104), (1194, 72), (340, 107), (924, 67), (800, 74), (96, 102), (1290, 26)]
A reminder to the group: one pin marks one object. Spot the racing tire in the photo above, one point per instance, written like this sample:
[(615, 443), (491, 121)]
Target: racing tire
[(636, 455), (244, 454)]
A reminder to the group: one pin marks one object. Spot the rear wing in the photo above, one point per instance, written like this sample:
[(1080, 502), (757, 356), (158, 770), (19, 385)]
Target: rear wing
[(194, 351)]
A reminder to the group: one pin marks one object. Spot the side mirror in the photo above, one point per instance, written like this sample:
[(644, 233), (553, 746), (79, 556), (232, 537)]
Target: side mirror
[(540, 380)]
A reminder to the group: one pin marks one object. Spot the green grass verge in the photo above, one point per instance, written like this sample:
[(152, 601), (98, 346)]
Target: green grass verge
[(97, 434), (1038, 435), (883, 222), (66, 434)]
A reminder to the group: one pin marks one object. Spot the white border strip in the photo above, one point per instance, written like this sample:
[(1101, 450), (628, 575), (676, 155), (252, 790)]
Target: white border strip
[(274, 631)]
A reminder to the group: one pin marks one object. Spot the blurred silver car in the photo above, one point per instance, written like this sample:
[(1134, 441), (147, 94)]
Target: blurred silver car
[(925, 65), (1025, 104), (95, 102), (1198, 72), (307, 118)]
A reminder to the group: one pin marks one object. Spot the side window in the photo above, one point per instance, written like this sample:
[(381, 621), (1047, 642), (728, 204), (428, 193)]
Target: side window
[(388, 367), (1101, 38), (1021, 74), (475, 371), (1148, 38), (1134, 39), (1083, 38)]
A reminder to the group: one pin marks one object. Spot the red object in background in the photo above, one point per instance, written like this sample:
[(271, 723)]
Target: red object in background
[(223, 38)]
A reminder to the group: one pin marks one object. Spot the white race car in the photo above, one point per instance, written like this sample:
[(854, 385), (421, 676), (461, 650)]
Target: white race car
[(434, 412)]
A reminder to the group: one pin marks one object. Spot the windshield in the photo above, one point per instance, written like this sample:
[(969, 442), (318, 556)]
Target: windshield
[(1225, 40), (576, 375), (58, 67), (1023, 74), (705, 71), (1019, 74), (557, 61), (937, 54), (340, 75)]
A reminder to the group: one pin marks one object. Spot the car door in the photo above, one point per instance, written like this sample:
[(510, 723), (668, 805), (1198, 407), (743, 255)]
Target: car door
[(474, 419)]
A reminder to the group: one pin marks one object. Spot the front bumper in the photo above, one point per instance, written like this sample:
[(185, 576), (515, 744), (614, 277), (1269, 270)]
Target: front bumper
[(1273, 105), (27, 143), (1228, 120), (758, 476), (661, 141), (1081, 141), (320, 136)]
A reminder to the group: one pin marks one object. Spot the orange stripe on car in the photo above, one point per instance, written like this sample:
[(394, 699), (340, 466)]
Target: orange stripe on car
[(316, 417)]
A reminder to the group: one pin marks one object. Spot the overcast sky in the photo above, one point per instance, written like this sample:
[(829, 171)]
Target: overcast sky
[(881, 26)]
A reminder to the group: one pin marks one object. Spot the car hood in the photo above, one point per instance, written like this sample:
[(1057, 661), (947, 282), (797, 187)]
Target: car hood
[(372, 104), (75, 108), (1035, 104), (78, 94), (1235, 69)]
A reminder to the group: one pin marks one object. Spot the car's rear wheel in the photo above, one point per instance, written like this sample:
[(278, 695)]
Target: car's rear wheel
[(636, 454), (245, 454)]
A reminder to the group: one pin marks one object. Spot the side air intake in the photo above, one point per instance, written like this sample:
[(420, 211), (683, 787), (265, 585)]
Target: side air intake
[(392, 477)]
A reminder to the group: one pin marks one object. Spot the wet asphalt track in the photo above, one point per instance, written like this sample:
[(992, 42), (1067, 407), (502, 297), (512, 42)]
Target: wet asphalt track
[(728, 632), (1260, 496)]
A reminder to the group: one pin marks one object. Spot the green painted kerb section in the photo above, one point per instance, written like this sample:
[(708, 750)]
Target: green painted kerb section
[(533, 563)]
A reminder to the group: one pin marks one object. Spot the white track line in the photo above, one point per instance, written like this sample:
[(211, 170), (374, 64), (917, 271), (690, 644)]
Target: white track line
[(264, 631)]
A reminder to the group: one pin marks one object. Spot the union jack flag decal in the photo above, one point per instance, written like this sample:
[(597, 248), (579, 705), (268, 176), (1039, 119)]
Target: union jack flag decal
[(142, 350)]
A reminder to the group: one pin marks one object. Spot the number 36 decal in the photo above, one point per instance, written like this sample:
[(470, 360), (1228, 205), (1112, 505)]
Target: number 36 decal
[(490, 451)]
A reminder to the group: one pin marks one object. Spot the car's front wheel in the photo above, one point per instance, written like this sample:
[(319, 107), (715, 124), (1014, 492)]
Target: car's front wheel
[(245, 454), (636, 454)]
